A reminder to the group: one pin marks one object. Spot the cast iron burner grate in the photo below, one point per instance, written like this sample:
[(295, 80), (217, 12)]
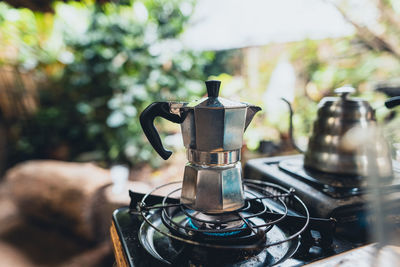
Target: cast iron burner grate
[(266, 229)]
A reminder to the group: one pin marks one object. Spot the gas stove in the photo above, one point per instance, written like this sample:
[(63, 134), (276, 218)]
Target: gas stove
[(326, 195), (274, 227)]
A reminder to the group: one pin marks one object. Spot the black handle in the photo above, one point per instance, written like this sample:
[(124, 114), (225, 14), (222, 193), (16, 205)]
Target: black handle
[(392, 102), (147, 122)]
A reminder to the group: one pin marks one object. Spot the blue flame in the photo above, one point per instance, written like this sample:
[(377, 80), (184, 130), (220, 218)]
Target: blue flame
[(216, 234)]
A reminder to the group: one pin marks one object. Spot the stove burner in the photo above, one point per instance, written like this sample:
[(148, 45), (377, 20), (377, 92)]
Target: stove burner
[(224, 221), (244, 233), (337, 186)]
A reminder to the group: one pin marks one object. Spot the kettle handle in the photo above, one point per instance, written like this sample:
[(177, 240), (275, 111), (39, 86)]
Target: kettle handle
[(157, 109), (392, 102)]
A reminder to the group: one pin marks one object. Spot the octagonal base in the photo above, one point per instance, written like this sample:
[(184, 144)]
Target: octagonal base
[(213, 189)]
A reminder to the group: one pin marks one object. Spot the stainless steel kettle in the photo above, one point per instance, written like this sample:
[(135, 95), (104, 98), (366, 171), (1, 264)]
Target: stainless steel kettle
[(327, 151), (212, 130)]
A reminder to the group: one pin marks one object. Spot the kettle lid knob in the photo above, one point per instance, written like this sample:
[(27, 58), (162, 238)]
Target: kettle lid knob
[(345, 90), (213, 88)]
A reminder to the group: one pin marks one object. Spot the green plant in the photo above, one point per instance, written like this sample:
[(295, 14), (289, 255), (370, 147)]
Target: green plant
[(128, 57)]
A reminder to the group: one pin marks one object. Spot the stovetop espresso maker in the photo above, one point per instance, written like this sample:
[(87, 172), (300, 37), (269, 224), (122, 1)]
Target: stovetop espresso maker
[(212, 130)]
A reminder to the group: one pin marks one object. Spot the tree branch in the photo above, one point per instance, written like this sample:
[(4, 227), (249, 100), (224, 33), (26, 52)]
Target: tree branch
[(374, 41)]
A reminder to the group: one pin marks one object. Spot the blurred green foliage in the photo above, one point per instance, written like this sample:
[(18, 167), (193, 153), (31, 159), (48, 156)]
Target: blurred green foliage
[(126, 57), (106, 63), (328, 64)]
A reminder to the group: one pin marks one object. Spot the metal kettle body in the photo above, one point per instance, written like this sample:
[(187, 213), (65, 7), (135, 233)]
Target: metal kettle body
[(212, 130), (327, 150)]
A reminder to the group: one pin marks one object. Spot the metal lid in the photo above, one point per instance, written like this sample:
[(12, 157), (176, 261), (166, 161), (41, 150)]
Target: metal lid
[(213, 101), (345, 108), (344, 100)]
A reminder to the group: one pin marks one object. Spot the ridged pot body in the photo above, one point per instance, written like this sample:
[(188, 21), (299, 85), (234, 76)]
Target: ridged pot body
[(327, 151)]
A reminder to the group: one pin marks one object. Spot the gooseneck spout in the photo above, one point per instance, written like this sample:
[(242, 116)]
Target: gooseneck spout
[(291, 138), (251, 111)]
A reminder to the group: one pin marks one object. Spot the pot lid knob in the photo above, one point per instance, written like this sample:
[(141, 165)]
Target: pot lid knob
[(213, 88), (344, 91)]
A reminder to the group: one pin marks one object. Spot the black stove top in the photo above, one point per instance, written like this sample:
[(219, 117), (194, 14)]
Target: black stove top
[(326, 195), (323, 193), (276, 230), (300, 216), (336, 186)]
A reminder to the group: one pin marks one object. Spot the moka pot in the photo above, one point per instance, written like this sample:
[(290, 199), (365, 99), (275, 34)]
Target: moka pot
[(212, 131)]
